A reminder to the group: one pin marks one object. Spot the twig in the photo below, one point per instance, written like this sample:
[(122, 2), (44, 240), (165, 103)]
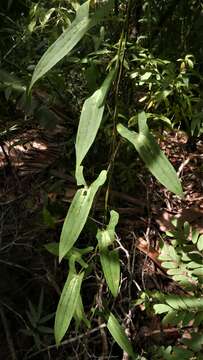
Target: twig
[(128, 333), (67, 342), (125, 251), (100, 322), (181, 167)]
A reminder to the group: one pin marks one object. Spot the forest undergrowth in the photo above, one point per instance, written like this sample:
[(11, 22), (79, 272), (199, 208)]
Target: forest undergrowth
[(101, 164)]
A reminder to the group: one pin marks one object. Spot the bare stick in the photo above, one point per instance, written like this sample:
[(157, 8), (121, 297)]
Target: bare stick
[(67, 342)]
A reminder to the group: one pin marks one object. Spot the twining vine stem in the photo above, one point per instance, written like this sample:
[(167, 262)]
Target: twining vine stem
[(119, 66)]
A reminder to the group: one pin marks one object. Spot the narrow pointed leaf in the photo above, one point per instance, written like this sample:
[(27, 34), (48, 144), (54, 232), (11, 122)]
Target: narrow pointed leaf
[(83, 21), (90, 120), (67, 305), (78, 214), (154, 158), (64, 44), (111, 269), (119, 335)]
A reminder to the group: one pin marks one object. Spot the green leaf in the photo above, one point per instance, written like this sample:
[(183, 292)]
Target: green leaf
[(169, 265), (195, 235), (176, 302), (142, 122), (154, 158), (186, 227), (114, 217), (171, 318), (194, 265), (78, 214), (48, 218), (110, 259), (180, 353), (200, 243), (67, 305), (161, 308), (53, 248), (70, 37), (195, 343), (8, 80), (168, 253), (111, 268), (198, 271), (119, 335), (90, 120), (74, 255), (145, 76), (79, 314), (64, 44)]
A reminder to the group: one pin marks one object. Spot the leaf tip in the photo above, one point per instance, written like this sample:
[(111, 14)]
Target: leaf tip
[(119, 128)]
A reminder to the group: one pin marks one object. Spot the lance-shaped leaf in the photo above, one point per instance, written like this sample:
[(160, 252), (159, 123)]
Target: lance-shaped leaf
[(111, 268), (78, 214), (154, 158), (119, 335), (110, 259), (70, 37), (90, 120), (67, 305), (64, 44)]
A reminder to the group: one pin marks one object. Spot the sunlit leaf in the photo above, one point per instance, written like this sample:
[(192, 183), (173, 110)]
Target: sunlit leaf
[(90, 121), (176, 302), (67, 305), (154, 158), (70, 37), (168, 253), (200, 243), (78, 214), (64, 44), (161, 308)]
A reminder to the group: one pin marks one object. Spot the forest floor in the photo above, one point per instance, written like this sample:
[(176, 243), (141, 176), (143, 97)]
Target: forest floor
[(31, 278)]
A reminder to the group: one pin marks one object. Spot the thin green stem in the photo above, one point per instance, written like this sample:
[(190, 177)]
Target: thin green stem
[(119, 66)]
